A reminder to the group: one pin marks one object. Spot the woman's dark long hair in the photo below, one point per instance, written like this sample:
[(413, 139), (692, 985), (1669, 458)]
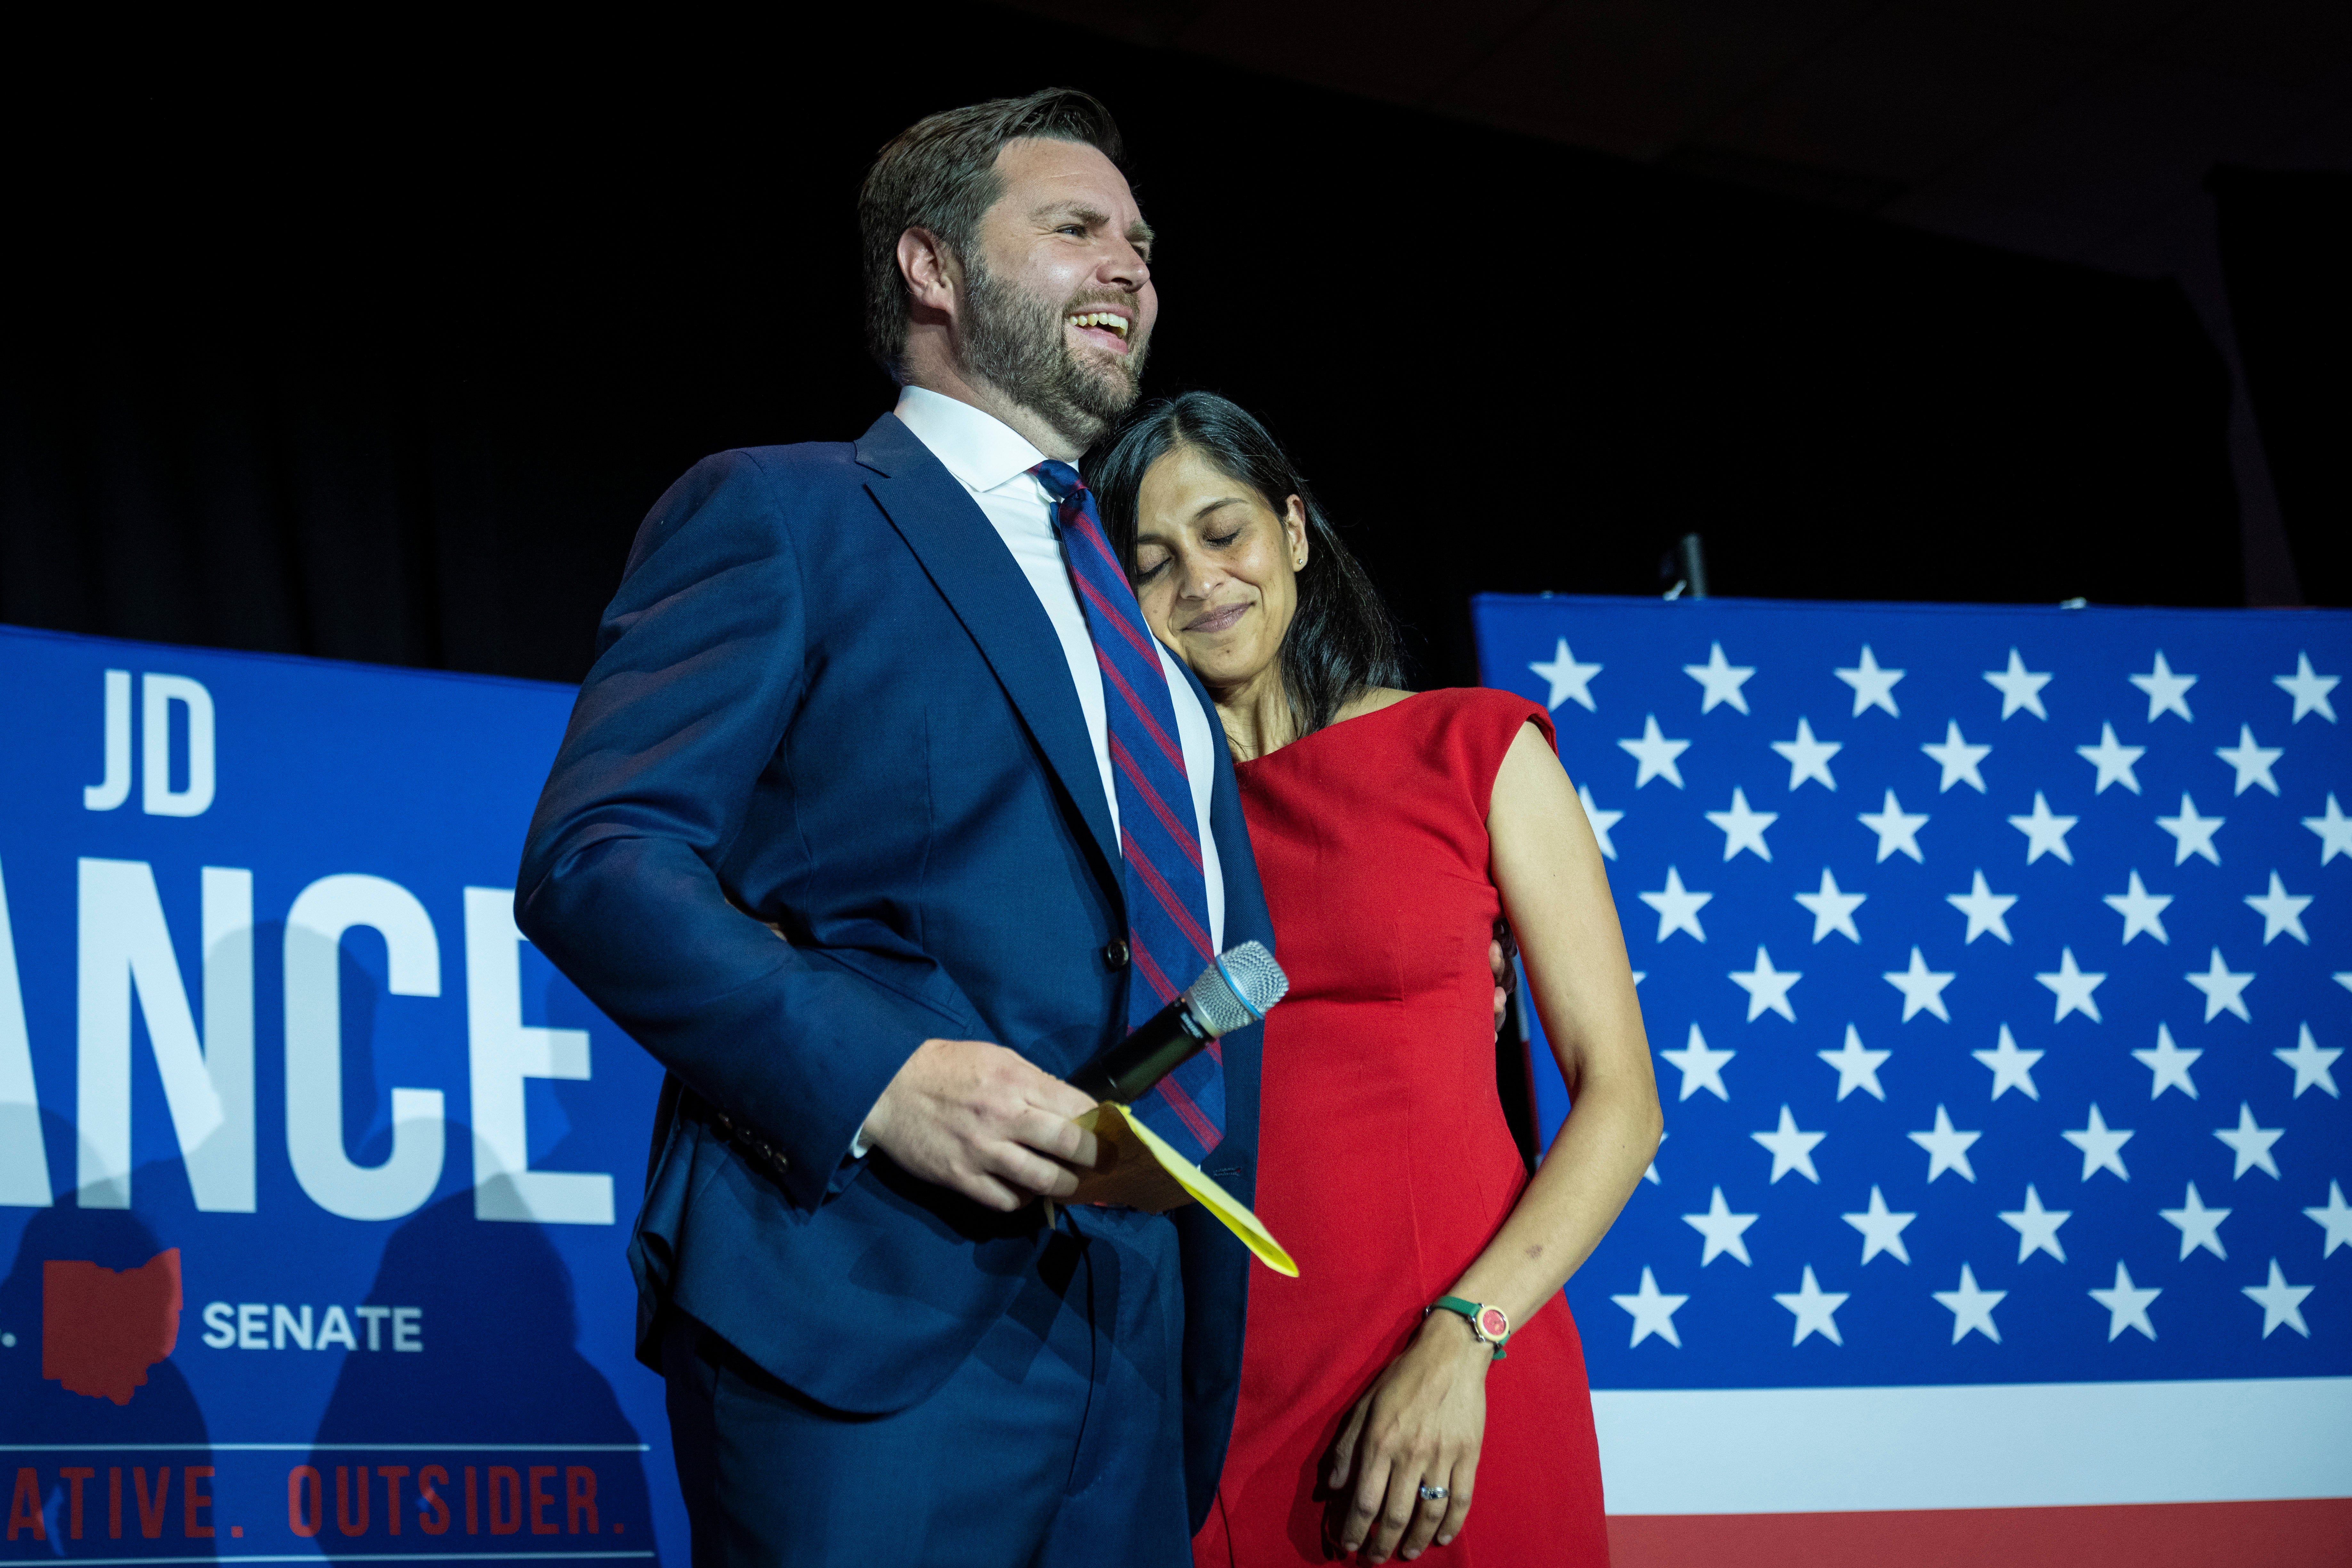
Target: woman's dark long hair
[(1341, 641)]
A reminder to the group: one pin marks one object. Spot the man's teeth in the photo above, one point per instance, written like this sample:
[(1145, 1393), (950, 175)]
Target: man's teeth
[(1105, 319)]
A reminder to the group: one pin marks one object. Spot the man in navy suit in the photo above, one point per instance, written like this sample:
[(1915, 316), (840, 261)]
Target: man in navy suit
[(835, 833)]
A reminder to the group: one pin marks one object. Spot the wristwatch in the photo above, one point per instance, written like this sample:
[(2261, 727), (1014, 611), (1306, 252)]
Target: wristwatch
[(1488, 1321)]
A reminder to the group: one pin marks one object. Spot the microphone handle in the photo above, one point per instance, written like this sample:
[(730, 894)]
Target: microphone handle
[(1128, 1070)]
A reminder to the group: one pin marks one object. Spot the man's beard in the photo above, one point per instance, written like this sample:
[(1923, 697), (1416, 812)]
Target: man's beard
[(1017, 343)]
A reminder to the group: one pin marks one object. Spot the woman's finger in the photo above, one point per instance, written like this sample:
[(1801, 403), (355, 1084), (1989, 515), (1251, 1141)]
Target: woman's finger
[(1428, 1513), (1366, 1502), (1343, 1448), (1458, 1506), (1396, 1508)]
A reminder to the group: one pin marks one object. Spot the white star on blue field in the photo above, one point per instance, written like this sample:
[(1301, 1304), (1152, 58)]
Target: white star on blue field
[(1997, 967)]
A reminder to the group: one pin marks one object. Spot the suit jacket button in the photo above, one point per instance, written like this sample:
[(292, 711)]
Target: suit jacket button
[(1116, 955)]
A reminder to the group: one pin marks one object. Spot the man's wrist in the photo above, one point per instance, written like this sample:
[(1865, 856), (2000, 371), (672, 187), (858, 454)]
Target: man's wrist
[(871, 1131)]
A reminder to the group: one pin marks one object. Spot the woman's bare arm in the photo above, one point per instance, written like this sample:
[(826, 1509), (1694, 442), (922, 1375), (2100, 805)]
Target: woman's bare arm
[(1556, 893)]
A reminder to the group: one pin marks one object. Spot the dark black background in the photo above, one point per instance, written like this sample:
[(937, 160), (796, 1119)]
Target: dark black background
[(386, 363)]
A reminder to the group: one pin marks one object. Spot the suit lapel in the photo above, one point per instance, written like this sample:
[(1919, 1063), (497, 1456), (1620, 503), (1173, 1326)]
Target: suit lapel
[(968, 563)]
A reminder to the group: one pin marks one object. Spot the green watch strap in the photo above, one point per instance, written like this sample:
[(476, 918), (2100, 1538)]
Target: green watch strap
[(1468, 1309)]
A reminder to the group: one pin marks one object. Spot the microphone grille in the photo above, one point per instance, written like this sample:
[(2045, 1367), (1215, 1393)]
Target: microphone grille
[(1238, 990)]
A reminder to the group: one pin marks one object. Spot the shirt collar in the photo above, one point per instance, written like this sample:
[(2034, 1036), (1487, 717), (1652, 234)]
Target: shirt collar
[(977, 448)]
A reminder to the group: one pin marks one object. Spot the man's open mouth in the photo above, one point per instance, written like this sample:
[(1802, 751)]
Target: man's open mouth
[(1104, 321)]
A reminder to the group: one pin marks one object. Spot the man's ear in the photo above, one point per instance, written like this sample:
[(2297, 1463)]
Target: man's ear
[(930, 271)]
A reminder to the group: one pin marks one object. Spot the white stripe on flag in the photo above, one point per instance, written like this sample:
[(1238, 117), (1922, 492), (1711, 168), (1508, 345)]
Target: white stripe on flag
[(1824, 1450)]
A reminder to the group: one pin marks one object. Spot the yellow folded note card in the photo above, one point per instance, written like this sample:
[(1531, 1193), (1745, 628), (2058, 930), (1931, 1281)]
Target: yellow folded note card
[(1134, 1187)]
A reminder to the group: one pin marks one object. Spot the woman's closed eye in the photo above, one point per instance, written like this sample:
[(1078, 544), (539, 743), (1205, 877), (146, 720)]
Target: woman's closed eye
[(1149, 568)]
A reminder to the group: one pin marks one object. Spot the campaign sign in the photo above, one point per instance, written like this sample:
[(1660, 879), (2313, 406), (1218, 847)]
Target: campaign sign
[(315, 1177)]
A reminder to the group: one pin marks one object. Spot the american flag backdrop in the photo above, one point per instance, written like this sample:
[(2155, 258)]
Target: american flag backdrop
[(1996, 963)]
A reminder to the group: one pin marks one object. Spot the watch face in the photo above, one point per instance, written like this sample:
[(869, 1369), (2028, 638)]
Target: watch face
[(1493, 1323)]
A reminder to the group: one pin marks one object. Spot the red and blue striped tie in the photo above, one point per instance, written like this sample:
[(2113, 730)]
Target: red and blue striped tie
[(1167, 893)]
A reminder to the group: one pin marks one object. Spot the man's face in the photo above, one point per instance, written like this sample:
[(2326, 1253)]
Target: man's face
[(1059, 288)]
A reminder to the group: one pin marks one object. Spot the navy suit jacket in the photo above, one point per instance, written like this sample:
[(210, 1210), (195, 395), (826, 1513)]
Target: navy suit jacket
[(826, 697)]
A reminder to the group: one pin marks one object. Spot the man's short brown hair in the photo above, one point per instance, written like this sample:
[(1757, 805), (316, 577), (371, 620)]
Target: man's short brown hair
[(940, 174)]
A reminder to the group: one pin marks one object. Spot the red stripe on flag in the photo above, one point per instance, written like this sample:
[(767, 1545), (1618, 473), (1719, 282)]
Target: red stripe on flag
[(1136, 636), (1111, 674), (1176, 829), (1201, 1127), (1150, 973), (2304, 1533), (1167, 898)]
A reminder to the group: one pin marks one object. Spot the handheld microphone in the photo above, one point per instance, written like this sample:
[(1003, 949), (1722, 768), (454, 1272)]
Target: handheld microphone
[(1235, 992)]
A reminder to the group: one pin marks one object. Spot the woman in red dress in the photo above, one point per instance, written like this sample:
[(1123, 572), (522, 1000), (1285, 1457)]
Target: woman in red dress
[(1390, 830)]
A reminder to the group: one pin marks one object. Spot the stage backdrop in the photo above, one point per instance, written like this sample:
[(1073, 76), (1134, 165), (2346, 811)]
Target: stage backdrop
[(315, 1179), (1997, 967)]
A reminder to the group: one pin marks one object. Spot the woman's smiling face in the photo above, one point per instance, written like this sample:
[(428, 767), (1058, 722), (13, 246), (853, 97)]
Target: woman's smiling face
[(1216, 567)]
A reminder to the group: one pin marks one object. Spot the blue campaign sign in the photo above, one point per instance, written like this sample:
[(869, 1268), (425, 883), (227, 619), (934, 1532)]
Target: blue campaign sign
[(1997, 967), (315, 1178)]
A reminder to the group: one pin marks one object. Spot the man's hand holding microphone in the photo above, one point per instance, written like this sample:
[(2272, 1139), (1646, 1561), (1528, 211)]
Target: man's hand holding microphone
[(985, 1121)]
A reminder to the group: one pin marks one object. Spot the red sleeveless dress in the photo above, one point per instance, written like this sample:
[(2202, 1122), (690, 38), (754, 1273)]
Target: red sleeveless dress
[(1385, 1164)]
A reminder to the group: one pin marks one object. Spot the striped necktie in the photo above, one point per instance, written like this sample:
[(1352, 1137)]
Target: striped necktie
[(1166, 894)]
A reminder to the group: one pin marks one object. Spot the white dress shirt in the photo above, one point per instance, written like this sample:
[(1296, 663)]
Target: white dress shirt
[(993, 462)]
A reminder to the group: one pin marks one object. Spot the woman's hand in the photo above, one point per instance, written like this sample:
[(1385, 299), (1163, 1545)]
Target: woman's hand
[(1500, 952), (1420, 1424)]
